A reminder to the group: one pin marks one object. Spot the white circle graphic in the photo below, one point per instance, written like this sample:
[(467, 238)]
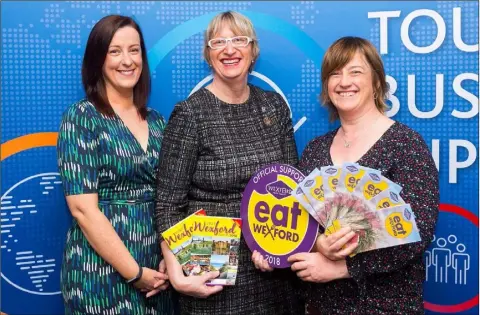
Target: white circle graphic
[(29, 234)]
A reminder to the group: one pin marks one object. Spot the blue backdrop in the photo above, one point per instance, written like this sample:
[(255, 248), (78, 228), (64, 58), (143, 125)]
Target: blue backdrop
[(430, 50)]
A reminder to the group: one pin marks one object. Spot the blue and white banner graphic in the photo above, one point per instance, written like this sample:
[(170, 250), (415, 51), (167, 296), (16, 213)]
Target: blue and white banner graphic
[(431, 54)]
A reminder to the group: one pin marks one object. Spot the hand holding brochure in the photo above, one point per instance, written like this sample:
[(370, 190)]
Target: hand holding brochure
[(361, 198), (203, 243), (179, 239)]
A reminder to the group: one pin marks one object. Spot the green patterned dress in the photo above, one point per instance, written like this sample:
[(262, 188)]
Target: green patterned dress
[(99, 154)]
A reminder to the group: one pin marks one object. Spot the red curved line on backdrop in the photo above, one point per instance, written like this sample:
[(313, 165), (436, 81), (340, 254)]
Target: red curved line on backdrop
[(445, 207), (452, 308)]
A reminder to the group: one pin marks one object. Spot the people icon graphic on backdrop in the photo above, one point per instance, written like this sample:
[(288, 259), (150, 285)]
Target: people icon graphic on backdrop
[(447, 261)]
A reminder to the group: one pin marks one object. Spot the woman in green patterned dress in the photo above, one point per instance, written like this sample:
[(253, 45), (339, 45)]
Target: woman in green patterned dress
[(108, 148)]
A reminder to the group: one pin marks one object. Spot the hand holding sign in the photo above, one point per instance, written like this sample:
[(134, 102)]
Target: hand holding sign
[(260, 262)]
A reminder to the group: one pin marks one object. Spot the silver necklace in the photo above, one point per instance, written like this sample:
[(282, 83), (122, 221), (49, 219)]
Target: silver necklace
[(347, 144)]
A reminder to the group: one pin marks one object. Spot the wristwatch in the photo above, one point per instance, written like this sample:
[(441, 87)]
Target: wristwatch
[(137, 277)]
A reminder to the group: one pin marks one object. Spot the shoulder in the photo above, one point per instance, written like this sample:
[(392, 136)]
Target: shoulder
[(407, 146), (321, 141), (154, 118), (155, 115), (81, 113), (316, 153), (319, 145), (199, 99), (272, 98), (402, 136), (199, 106), (266, 94), (188, 111), (80, 108)]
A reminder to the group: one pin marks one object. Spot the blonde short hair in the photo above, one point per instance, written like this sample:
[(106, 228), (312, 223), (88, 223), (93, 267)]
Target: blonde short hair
[(240, 26), (338, 55)]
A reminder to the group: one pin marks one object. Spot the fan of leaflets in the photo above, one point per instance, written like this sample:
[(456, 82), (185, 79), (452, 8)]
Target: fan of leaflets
[(350, 210)]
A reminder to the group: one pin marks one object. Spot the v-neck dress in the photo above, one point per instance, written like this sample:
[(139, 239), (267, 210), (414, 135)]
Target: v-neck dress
[(99, 154)]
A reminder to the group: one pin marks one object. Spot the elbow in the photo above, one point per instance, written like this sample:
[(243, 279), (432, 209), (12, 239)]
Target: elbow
[(159, 218), (79, 213)]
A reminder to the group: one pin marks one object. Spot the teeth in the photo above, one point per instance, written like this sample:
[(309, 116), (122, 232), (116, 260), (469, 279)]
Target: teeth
[(346, 94), (231, 61)]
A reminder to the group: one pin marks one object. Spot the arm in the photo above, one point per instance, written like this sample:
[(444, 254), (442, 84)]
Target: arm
[(77, 144), (178, 160), (106, 242), (415, 171), (290, 154)]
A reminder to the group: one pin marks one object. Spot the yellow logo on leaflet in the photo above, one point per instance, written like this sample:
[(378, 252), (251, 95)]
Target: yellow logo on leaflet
[(317, 190), (397, 227), (386, 202), (351, 180), (278, 226), (371, 189)]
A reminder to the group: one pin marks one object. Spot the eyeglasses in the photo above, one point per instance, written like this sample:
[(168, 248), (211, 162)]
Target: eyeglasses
[(237, 41)]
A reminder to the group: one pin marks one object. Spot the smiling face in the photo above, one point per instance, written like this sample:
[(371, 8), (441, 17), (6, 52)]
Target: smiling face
[(350, 88), (123, 64), (230, 63)]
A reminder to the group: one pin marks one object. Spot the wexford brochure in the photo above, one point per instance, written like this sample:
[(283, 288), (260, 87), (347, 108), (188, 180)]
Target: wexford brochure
[(203, 243)]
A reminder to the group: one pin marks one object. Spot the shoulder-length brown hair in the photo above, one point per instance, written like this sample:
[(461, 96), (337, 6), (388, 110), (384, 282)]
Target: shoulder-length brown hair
[(94, 58), (338, 55)]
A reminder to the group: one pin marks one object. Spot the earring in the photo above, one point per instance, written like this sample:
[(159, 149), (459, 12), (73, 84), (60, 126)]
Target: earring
[(374, 96)]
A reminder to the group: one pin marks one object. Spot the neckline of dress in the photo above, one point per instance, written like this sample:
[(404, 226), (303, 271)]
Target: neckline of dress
[(370, 150), (122, 123), (221, 102), (139, 145)]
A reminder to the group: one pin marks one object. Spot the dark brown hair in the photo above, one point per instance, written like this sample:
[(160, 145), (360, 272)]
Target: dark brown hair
[(338, 55), (94, 58)]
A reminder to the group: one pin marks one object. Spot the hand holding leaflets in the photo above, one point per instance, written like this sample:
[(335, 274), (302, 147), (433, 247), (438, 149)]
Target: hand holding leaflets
[(355, 199)]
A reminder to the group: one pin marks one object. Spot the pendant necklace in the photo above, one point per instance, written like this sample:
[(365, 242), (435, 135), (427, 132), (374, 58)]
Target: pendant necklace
[(346, 143)]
